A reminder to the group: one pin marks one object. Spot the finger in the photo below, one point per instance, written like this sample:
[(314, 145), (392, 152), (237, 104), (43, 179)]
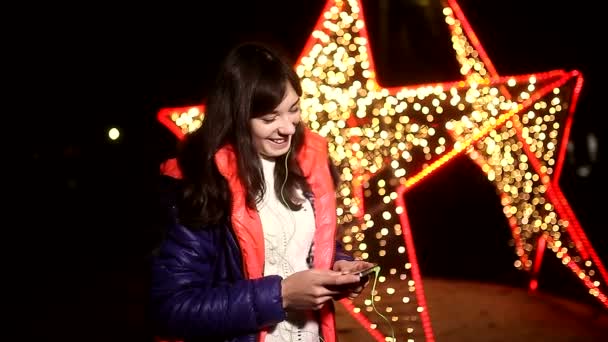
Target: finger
[(345, 279), (365, 264), (337, 278), (322, 300), (326, 298), (358, 266), (354, 294), (328, 292), (364, 281), (327, 273), (340, 265)]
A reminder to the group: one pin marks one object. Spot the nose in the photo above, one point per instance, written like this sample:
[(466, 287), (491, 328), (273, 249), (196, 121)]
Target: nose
[(287, 126)]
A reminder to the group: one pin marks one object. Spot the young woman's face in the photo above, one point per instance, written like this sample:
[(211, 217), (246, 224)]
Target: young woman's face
[(272, 132)]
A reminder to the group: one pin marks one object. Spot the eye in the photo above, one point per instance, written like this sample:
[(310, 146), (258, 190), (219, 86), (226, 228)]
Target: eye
[(294, 109), (268, 119)]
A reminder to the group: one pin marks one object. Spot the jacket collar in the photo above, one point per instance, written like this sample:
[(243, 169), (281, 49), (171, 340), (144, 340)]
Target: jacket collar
[(246, 223)]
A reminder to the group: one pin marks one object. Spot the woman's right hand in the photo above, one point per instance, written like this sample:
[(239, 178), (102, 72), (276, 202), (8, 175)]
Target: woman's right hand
[(310, 289)]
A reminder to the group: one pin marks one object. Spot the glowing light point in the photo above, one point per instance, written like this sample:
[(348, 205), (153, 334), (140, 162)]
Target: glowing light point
[(113, 133)]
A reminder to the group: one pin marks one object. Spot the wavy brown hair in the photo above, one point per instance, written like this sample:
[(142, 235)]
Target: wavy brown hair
[(251, 82)]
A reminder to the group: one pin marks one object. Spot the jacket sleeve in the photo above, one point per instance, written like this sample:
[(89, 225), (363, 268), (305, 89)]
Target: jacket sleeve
[(341, 254), (185, 303)]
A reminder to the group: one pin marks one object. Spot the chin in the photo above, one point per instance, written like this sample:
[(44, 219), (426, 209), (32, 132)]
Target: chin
[(273, 153)]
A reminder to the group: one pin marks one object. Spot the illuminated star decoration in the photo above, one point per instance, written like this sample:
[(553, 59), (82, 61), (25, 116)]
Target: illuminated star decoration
[(387, 140)]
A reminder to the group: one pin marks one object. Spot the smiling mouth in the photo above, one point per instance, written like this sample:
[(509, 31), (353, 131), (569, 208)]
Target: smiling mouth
[(279, 141)]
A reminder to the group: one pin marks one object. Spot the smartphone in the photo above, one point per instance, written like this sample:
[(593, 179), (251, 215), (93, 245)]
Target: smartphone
[(367, 271)]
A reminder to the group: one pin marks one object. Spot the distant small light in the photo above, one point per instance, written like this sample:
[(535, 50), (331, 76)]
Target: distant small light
[(113, 133)]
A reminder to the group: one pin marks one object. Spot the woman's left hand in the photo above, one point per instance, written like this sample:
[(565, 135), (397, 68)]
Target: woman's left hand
[(346, 266)]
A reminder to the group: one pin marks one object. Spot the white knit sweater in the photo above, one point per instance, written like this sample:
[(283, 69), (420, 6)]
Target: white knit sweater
[(288, 237)]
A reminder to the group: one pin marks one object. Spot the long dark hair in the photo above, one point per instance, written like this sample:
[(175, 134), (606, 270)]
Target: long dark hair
[(251, 82)]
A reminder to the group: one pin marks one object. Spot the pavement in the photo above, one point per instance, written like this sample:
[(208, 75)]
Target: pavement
[(473, 311)]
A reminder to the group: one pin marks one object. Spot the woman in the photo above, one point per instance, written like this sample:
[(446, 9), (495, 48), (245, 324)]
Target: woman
[(252, 252)]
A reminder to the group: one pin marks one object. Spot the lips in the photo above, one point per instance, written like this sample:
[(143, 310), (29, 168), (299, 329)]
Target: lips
[(279, 141)]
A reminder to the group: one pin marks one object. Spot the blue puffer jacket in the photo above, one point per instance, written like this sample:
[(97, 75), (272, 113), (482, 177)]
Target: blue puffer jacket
[(199, 292), (198, 288), (206, 285)]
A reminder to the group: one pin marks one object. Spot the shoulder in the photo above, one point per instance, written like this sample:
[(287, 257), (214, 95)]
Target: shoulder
[(170, 168), (169, 183), (313, 152), (184, 241), (314, 141), (168, 189)]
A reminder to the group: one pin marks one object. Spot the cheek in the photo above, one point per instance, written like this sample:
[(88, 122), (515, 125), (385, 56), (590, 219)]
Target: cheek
[(296, 120), (256, 129), (258, 140), (259, 133)]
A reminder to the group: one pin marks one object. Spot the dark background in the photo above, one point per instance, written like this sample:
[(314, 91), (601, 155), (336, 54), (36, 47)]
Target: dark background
[(87, 208)]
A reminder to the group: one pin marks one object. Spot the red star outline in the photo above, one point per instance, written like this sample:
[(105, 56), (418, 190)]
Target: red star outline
[(471, 141)]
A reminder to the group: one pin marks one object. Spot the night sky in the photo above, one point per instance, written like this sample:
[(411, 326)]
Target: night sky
[(92, 219)]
